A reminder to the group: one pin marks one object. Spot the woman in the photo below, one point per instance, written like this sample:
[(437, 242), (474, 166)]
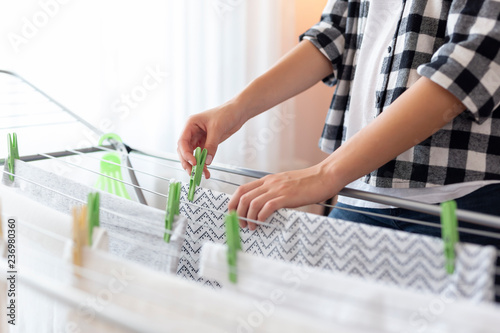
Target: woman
[(415, 112)]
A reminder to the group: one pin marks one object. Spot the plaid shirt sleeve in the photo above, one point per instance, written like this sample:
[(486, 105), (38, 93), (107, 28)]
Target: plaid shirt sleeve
[(328, 35), (468, 63)]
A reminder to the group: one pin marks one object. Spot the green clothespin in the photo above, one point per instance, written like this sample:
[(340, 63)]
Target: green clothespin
[(449, 233), (92, 214), (174, 195), (13, 153), (233, 243), (110, 166), (196, 171)]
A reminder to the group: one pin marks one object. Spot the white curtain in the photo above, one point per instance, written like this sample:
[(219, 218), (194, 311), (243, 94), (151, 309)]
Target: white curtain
[(217, 48), (203, 52)]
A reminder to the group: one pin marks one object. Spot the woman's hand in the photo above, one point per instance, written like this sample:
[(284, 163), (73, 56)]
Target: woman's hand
[(298, 70), (259, 199), (207, 130)]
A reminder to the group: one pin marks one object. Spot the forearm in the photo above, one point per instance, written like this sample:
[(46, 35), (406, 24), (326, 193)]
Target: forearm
[(297, 71), (413, 117)]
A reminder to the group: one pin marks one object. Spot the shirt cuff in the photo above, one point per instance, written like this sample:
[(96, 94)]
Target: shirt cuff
[(464, 73), (329, 41)]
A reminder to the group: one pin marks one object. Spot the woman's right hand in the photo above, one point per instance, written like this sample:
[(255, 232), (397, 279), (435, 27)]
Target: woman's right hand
[(207, 130)]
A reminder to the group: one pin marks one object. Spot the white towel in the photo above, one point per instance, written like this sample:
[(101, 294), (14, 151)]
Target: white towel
[(46, 231), (174, 304), (351, 302)]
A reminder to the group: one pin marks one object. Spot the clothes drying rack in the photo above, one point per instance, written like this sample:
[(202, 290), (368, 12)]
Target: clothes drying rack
[(17, 85), (18, 99)]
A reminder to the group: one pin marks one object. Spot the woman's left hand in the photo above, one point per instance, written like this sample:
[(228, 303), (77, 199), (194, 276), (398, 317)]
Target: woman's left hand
[(259, 199)]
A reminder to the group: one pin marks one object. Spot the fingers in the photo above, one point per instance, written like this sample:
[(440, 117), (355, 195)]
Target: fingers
[(270, 207), (206, 172), (197, 134), (240, 200), (211, 145), (249, 206), (256, 201), (262, 207), (185, 152), (259, 199), (185, 164), (191, 136)]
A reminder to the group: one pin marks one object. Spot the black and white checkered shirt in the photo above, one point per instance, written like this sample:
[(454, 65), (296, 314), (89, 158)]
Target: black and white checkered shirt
[(454, 43)]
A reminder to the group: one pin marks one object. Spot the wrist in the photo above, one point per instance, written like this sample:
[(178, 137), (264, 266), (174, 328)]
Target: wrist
[(246, 105), (335, 176), (236, 109), (232, 112)]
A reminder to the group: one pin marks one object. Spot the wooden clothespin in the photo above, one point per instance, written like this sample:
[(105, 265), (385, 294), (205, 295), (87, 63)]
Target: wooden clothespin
[(233, 241), (197, 171), (13, 153), (79, 233), (174, 195), (449, 233), (85, 219)]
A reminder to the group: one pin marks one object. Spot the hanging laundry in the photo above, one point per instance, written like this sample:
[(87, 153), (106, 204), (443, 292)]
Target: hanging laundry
[(35, 312), (167, 303), (135, 231), (395, 257), (45, 244), (339, 299)]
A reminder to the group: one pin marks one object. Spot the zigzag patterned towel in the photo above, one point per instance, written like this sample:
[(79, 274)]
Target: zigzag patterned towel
[(394, 257)]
